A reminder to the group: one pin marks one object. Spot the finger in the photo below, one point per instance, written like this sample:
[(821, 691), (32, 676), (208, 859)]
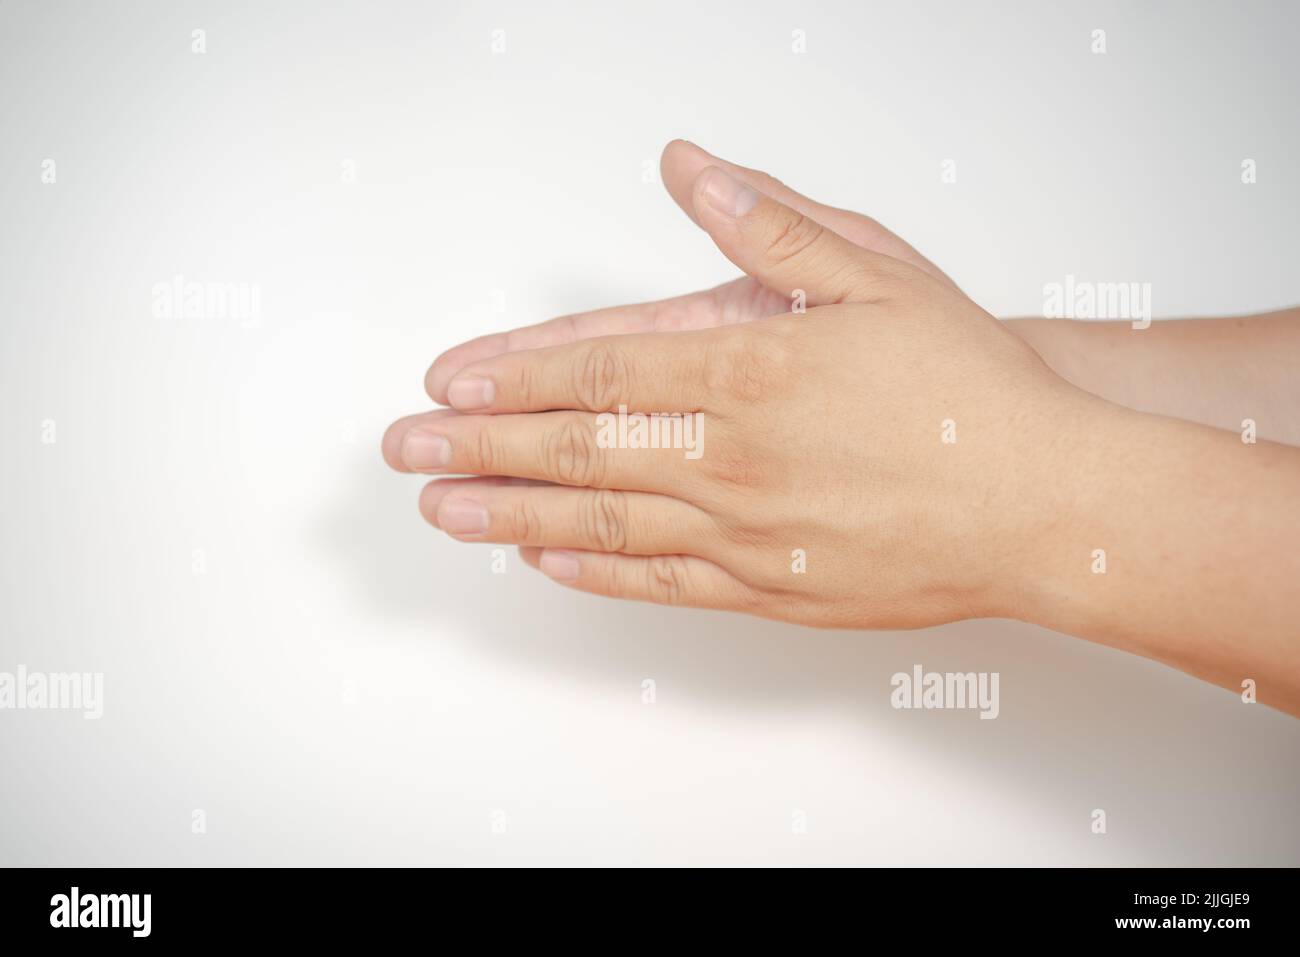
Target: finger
[(451, 484), (391, 444), (664, 579), (602, 520), (736, 301), (784, 249), (682, 162), (648, 372), (567, 448), (697, 310)]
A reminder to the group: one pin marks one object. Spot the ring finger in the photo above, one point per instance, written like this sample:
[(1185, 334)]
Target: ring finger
[(599, 520)]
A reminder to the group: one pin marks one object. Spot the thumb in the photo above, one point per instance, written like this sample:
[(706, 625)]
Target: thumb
[(783, 249), (682, 163)]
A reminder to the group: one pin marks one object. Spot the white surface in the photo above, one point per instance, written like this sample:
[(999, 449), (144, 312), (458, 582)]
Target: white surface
[(346, 685)]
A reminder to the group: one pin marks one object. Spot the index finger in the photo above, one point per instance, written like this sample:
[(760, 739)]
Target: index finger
[(651, 372), (696, 310)]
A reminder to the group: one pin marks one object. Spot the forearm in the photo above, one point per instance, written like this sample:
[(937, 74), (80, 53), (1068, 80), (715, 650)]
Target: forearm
[(1218, 372), (1177, 542)]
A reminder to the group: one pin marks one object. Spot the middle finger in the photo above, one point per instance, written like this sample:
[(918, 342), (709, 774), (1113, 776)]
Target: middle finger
[(568, 448)]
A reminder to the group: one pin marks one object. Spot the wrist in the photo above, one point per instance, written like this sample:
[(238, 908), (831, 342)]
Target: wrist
[(1056, 484)]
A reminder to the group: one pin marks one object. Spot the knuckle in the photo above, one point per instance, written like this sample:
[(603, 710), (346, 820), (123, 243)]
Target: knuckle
[(604, 520), (666, 579), (571, 455), (742, 530), (601, 376), (791, 235), (750, 366), (749, 376), (525, 521), (767, 183), (486, 454), (868, 284), (738, 470), (523, 386)]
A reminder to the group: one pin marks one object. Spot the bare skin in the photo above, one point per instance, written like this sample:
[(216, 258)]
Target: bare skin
[(1213, 371), (931, 462)]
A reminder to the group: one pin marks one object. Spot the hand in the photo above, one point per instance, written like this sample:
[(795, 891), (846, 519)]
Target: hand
[(740, 300), (824, 434)]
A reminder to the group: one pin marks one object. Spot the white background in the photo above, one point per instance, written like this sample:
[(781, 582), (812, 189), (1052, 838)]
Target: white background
[(344, 684)]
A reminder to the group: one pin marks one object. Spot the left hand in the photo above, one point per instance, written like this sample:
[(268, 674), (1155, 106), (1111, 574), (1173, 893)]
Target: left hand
[(740, 300), (824, 435)]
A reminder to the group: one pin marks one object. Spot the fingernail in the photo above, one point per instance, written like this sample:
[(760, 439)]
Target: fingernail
[(728, 195), (424, 450), (460, 516), (562, 566), (471, 392)]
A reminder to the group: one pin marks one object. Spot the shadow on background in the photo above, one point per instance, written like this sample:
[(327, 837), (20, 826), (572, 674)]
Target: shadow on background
[(1079, 724)]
